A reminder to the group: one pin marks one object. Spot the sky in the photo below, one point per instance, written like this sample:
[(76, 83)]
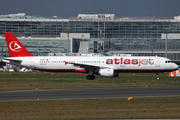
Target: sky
[(71, 8)]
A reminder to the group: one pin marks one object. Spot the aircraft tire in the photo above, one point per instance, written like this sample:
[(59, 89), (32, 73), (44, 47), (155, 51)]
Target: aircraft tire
[(90, 77), (157, 78)]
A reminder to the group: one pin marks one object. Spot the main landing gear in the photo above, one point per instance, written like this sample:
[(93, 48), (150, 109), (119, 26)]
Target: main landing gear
[(90, 77), (157, 78)]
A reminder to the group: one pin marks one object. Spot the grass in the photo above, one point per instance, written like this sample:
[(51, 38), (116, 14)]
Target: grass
[(24, 81), (87, 109), (92, 109)]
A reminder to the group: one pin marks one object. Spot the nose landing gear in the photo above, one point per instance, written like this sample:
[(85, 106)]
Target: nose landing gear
[(157, 78)]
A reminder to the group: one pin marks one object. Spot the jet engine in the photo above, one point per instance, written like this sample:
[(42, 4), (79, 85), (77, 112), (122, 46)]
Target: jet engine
[(108, 73)]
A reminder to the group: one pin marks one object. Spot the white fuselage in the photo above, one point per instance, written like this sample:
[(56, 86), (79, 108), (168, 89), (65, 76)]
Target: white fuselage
[(105, 66), (83, 64)]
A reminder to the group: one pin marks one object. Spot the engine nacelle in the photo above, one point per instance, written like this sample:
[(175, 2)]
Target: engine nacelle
[(108, 73)]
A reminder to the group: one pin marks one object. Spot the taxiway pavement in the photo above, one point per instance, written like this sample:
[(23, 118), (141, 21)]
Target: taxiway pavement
[(88, 93)]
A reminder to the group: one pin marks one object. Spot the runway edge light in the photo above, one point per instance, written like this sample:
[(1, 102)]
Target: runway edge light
[(130, 99)]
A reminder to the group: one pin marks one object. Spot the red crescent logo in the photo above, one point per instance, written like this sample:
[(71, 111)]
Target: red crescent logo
[(14, 46)]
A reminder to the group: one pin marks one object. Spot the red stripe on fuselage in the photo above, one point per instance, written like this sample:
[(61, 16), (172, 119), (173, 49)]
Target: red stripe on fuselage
[(119, 70), (142, 71), (63, 70)]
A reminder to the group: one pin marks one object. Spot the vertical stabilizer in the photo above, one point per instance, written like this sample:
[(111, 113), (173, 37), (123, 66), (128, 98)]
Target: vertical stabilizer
[(16, 49)]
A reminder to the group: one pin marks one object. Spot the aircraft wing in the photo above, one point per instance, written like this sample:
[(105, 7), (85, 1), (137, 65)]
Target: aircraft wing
[(87, 66)]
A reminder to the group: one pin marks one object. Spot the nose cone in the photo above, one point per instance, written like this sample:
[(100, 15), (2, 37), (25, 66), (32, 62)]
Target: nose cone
[(175, 66)]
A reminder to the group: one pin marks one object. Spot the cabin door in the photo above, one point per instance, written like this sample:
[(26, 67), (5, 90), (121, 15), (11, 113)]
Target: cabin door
[(157, 62), (32, 62)]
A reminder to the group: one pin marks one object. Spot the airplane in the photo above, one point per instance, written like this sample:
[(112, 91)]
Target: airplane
[(105, 66)]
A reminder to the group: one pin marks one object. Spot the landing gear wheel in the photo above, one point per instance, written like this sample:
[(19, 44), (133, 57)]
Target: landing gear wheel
[(90, 77), (157, 78)]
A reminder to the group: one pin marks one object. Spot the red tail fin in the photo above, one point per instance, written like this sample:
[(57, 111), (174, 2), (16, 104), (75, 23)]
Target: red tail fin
[(16, 49)]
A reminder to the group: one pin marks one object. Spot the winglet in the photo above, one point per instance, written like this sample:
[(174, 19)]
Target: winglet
[(16, 49)]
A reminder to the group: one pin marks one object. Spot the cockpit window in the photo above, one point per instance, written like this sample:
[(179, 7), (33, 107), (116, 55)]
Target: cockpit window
[(168, 61)]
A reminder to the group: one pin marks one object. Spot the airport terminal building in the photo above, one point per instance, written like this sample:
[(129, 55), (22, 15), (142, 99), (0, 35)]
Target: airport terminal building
[(87, 32)]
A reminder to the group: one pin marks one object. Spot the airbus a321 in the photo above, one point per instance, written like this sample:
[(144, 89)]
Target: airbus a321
[(105, 66)]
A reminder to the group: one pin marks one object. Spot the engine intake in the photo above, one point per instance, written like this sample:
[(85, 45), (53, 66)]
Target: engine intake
[(108, 73)]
